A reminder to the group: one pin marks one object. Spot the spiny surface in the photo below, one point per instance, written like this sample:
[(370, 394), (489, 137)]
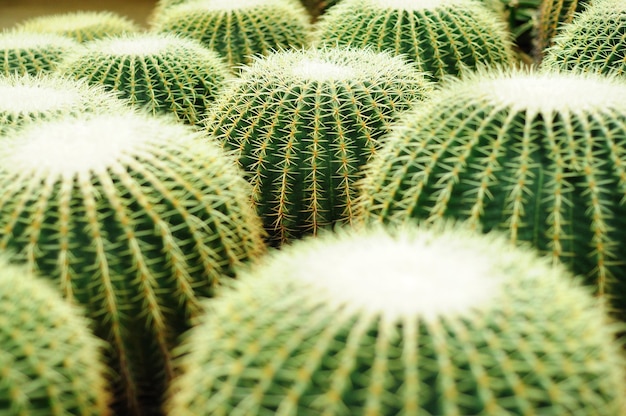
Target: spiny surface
[(238, 30), (50, 362), (163, 73), (440, 37), (285, 342), (491, 150), (303, 123), (32, 53), (135, 218)]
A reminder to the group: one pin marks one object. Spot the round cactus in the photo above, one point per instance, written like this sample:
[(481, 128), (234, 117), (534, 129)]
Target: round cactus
[(552, 14), (32, 53), (238, 30), (134, 217), (164, 73), (303, 123), (82, 26), (50, 362), (538, 155), (440, 37), (593, 41), (27, 98), (433, 321)]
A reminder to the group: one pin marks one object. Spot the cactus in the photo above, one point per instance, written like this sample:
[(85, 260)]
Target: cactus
[(32, 53), (82, 26), (164, 73), (537, 155), (303, 123), (27, 98), (552, 14), (134, 217), (238, 30), (440, 37), (414, 320), (50, 362), (593, 41)]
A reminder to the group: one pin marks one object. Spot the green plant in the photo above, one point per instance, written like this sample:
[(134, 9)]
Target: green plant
[(440, 37), (32, 53), (163, 73), (303, 123), (413, 320), (82, 26), (552, 14), (28, 98), (593, 41), (50, 362), (238, 30), (134, 217), (539, 156)]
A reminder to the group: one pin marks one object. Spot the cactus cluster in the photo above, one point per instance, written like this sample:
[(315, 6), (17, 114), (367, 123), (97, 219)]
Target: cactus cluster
[(593, 41), (303, 123), (537, 155), (134, 217), (414, 320), (163, 73), (440, 37), (82, 26), (238, 30), (28, 98), (50, 362), (32, 53)]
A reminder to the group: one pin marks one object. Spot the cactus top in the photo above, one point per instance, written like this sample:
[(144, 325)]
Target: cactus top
[(230, 5), (13, 39), (402, 274), (141, 44), (26, 98), (414, 4)]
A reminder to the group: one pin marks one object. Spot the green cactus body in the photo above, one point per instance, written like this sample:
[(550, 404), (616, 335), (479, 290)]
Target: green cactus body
[(413, 321), (552, 14), (238, 30), (26, 98), (593, 41), (163, 73), (440, 37), (538, 155), (82, 26), (303, 123), (134, 217), (32, 53), (50, 362)]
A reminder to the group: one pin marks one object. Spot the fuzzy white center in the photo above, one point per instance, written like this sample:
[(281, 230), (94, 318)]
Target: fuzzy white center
[(134, 46), (27, 40), (423, 276), (322, 71), (70, 147), (230, 5), (411, 5), (23, 99), (553, 93)]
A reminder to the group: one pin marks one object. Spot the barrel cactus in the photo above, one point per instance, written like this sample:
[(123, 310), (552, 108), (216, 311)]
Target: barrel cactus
[(539, 156), (593, 41), (440, 37), (552, 14), (163, 73), (28, 98), (50, 362), (134, 217), (82, 26), (238, 30), (303, 123), (32, 53), (414, 320)]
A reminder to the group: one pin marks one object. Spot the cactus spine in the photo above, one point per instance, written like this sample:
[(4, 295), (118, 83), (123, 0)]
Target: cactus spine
[(32, 53), (537, 155), (303, 123), (440, 37), (593, 41), (82, 26), (134, 217), (238, 30), (408, 321), (163, 73), (50, 362)]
